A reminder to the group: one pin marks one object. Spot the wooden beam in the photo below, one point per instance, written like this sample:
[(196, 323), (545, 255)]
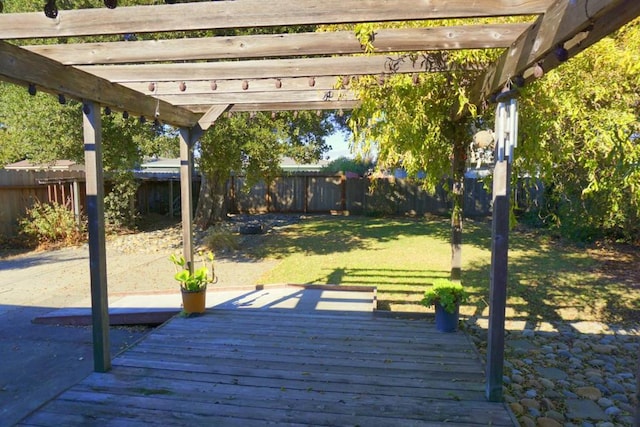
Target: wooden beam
[(260, 97), (97, 244), (23, 67), (250, 13), (282, 45), (235, 86), (212, 115), (281, 106), (269, 68), (563, 21)]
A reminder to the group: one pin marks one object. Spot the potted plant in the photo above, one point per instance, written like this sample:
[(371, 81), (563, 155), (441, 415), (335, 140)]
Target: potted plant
[(446, 295), (193, 285)]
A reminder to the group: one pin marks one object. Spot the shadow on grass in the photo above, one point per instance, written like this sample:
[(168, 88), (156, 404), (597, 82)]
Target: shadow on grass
[(395, 287), (332, 234), (554, 283), (548, 280)]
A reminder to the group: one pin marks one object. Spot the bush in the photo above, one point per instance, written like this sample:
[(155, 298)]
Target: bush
[(119, 209), (52, 224)]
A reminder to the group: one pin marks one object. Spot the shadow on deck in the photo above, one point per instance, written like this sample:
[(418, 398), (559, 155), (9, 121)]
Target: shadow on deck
[(257, 367)]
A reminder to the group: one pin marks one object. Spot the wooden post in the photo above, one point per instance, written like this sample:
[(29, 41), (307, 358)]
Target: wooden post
[(186, 195), (97, 246), (506, 140), (498, 290)]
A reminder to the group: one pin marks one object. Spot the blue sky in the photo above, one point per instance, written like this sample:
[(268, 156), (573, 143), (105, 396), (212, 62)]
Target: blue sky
[(340, 146)]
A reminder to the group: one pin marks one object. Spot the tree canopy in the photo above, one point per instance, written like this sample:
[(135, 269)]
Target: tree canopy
[(579, 128), (253, 145)]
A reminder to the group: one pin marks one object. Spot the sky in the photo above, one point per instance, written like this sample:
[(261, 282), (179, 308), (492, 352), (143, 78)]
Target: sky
[(339, 146)]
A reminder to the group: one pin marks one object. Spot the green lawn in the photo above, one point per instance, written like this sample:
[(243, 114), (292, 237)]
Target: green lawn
[(547, 280)]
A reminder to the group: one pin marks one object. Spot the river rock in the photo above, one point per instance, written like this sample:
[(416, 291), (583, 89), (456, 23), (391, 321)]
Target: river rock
[(516, 408), (579, 409), (530, 403), (547, 422), (589, 392), (554, 415)]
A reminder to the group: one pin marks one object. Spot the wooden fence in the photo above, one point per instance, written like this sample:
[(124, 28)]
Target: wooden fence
[(19, 190), (301, 193), (317, 193)]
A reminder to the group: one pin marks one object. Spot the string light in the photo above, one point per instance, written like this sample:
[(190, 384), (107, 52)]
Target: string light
[(518, 81), (107, 111), (50, 9), (111, 4), (32, 89), (561, 53), (61, 99), (125, 115), (538, 71), (86, 108)]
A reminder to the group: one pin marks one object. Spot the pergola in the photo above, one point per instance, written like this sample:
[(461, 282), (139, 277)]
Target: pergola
[(190, 82)]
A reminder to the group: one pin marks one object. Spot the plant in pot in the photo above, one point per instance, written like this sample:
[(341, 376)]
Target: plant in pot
[(446, 295), (193, 285)]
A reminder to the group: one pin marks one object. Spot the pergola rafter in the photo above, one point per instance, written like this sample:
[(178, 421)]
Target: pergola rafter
[(207, 15)]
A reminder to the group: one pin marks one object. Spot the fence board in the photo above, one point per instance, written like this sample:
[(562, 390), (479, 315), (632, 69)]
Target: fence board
[(19, 190)]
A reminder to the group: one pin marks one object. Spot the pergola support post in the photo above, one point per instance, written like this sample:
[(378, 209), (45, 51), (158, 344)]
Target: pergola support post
[(506, 140), (92, 128), (188, 138)]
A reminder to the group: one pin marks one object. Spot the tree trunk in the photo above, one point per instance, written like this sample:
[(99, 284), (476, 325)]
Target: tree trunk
[(211, 206), (458, 165)]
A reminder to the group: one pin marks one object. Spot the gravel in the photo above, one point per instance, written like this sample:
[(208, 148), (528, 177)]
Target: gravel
[(571, 375)]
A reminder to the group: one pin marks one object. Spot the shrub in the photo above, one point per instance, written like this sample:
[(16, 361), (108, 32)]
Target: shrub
[(119, 210), (52, 224)]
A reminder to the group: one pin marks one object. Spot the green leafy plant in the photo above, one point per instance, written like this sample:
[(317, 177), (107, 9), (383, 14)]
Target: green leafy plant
[(447, 293), (51, 224), (200, 278)]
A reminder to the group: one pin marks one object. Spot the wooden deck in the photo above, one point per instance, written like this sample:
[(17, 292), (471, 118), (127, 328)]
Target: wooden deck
[(244, 367)]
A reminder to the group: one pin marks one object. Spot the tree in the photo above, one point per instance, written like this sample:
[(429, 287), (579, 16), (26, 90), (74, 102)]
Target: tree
[(409, 120), (358, 166), (579, 133), (253, 145)]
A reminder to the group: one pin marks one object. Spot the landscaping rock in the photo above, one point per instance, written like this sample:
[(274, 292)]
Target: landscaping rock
[(530, 403), (527, 422), (516, 408), (589, 392), (547, 422), (579, 409)]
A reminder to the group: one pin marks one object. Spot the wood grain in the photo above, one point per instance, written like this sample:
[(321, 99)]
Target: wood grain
[(282, 45), (251, 13), (238, 368)]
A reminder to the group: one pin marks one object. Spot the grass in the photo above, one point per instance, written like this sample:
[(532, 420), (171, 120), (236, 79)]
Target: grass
[(548, 280)]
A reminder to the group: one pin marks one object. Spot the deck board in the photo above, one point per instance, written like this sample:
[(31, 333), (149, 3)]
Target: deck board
[(243, 367)]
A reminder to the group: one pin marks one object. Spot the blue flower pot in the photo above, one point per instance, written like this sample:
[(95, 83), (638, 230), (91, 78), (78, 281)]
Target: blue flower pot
[(445, 321)]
